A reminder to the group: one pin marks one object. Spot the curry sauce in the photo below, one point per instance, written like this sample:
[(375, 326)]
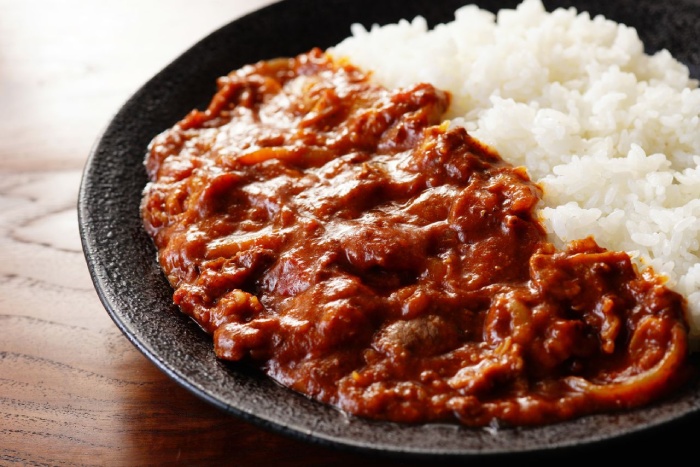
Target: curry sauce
[(342, 238)]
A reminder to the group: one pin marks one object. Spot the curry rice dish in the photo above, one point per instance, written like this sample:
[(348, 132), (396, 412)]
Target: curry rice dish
[(341, 237), (330, 227)]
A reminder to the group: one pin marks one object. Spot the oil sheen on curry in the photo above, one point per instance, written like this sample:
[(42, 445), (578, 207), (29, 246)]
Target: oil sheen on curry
[(343, 239)]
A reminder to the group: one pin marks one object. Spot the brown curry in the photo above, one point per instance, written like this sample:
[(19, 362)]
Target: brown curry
[(341, 238)]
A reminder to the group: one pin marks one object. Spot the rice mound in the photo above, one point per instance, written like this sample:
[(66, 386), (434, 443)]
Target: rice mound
[(610, 133)]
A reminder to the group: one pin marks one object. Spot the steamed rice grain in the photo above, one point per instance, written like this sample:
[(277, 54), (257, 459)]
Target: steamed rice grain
[(610, 133)]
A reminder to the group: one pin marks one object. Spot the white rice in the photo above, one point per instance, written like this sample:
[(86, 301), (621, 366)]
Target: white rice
[(611, 134)]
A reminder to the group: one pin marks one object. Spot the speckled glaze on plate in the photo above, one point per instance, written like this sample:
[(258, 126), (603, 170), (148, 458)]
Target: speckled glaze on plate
[(122, 259)]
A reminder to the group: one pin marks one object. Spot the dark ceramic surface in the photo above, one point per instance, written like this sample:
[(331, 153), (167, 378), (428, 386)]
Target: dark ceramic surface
[(122, 259)]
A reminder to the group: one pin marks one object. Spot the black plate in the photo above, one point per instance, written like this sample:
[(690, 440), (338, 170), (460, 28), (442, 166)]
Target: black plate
[(122, 259)]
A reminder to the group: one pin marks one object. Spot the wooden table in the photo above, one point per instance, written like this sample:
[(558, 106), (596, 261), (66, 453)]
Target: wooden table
[(73, 390)]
